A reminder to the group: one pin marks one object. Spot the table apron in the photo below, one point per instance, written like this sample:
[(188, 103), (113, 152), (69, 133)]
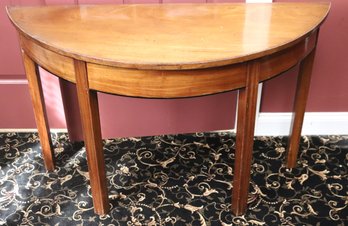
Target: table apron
[(57, 64), (168, 83)]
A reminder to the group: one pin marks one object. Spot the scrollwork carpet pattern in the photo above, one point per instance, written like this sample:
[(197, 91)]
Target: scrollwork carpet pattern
[(174, 180)]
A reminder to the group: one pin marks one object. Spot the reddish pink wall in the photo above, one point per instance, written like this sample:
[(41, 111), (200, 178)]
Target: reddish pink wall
[(135, 117), (13, 114), (328, 91)]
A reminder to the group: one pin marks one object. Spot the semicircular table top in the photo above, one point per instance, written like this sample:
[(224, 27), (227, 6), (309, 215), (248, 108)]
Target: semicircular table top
[(153, 36)]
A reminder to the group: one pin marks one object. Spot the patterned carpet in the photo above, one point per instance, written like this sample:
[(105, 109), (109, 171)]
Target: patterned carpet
[(174, 180)]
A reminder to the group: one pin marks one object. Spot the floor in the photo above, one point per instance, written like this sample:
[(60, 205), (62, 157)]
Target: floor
[(174, 180)]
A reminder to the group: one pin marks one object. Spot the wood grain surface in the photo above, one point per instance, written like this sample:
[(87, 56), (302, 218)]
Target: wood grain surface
[(168, 36), (299, 108), (57, 64), (165, 84), (247, 99), (39, 107), (89, 111)]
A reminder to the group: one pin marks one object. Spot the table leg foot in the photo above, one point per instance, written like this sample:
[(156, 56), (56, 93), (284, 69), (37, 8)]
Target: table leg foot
[(88, 102), (247, 100), (302, 90), (37, 97)]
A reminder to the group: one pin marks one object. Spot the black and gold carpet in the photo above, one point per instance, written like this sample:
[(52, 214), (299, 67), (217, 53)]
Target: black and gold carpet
[(174, 180)]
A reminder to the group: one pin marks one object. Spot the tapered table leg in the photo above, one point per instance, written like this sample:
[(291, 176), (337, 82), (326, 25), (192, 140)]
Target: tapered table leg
[(247, 99), (302, 90), (88, 103), (71, 110), (37, 97)]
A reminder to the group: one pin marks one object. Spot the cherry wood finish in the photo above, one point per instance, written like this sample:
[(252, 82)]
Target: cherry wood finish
[(169, 51), (35, 90), (184, 83), (71, 110), (276, 63), (169, 83), (189, 36), (51, 61), (89, 111), (247, 98), (302, 90), (166, 83)]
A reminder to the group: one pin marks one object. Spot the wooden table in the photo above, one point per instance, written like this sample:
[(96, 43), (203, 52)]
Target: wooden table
[(168, 51)]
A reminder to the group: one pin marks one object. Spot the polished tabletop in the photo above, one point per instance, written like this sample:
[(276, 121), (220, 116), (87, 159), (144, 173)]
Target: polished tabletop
[(168, 36)]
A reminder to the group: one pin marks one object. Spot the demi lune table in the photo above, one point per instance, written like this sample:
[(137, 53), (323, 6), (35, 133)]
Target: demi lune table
[(168, 51)]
